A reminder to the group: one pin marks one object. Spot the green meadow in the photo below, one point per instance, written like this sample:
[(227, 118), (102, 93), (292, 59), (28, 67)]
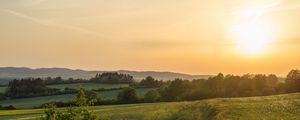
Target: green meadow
[(277, 107), (87, 86)]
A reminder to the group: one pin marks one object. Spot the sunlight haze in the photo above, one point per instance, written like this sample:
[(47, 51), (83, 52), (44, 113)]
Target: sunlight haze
[(194, 36)]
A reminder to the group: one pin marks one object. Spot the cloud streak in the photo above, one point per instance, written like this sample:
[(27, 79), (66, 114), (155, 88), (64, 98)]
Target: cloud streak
[(35, 2), (270, 7), (51, 23)]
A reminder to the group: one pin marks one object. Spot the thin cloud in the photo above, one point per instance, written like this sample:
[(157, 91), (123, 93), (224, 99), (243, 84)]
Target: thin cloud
[(270, 7), (35, 2), (51, 23), (286, 8)]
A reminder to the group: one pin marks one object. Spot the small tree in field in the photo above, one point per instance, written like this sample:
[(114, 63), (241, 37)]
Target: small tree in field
[(73, 113), (81, 98)]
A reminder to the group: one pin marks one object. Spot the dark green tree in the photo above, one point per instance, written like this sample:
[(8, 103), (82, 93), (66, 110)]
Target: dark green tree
[(175, 91), (150, 82), (81, 99), (293, 81), (26, 88), (72, 113), (112, 78), (152, 96), (91, 97), (128, 95)]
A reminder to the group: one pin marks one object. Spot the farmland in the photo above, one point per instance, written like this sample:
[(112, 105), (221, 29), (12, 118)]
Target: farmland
[(277, 107), (87, 86), (37, 101)]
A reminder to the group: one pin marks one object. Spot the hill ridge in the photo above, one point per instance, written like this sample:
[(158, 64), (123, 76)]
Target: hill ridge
[(20, 72)]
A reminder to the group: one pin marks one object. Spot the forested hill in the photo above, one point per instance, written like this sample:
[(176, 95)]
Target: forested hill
[(21, 72)]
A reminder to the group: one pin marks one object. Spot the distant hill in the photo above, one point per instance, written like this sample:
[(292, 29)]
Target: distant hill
[(8, 73)]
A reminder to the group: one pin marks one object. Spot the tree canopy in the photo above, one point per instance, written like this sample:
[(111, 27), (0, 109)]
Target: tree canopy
[(113, 77)]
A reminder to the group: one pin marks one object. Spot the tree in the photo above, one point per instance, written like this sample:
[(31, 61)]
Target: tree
[(2, 96), (91, 96), (50, 113), (26, 88), (260, 83), (216, 84), (231, 85), (10, 107), (175, 91), (112, 78), (128, 95), (245, 86), (293, 81), (152, 96), (150, 82), (271, 84), (81, 98), (72, 113), (272, 80)]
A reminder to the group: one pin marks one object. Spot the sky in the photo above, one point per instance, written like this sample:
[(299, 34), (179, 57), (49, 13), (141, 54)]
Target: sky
[(192, 36)]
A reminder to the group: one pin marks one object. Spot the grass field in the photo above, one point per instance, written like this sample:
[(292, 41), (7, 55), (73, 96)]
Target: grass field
[(87, 86), (278, 107), (36, 101)]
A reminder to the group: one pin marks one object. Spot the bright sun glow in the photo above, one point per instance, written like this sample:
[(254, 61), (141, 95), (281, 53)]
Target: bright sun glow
[(252, 36)]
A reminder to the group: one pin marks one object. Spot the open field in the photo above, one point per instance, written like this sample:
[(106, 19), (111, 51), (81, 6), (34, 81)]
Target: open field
[(36, 101), (277, 107), (87, 86)]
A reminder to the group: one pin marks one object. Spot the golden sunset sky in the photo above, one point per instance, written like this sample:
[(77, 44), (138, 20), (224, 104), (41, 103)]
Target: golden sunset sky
[(189, 36)]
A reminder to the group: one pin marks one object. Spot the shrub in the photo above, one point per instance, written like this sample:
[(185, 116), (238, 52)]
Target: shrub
[(128, 95), (10, 107), (152, 96), (73, 113)]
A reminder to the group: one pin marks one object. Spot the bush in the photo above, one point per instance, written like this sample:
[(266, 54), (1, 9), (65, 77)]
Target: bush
[(128, 95), (10, 107), (152, 96), (2, 96), (72, 113)]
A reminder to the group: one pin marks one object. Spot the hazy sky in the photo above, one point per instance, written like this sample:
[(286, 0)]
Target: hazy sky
[(190, 36)]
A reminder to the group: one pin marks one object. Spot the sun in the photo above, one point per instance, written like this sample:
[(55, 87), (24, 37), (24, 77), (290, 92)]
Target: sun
[(251, 35)]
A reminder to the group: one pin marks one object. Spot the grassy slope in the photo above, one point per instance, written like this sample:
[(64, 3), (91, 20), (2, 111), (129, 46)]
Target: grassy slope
[(278, 107)]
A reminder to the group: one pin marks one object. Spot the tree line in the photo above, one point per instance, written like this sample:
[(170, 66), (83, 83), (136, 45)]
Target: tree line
[(33, 87), (107, 78), (28, 87), (213, 87), (230, 86), (112, 78), (182, 90)]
